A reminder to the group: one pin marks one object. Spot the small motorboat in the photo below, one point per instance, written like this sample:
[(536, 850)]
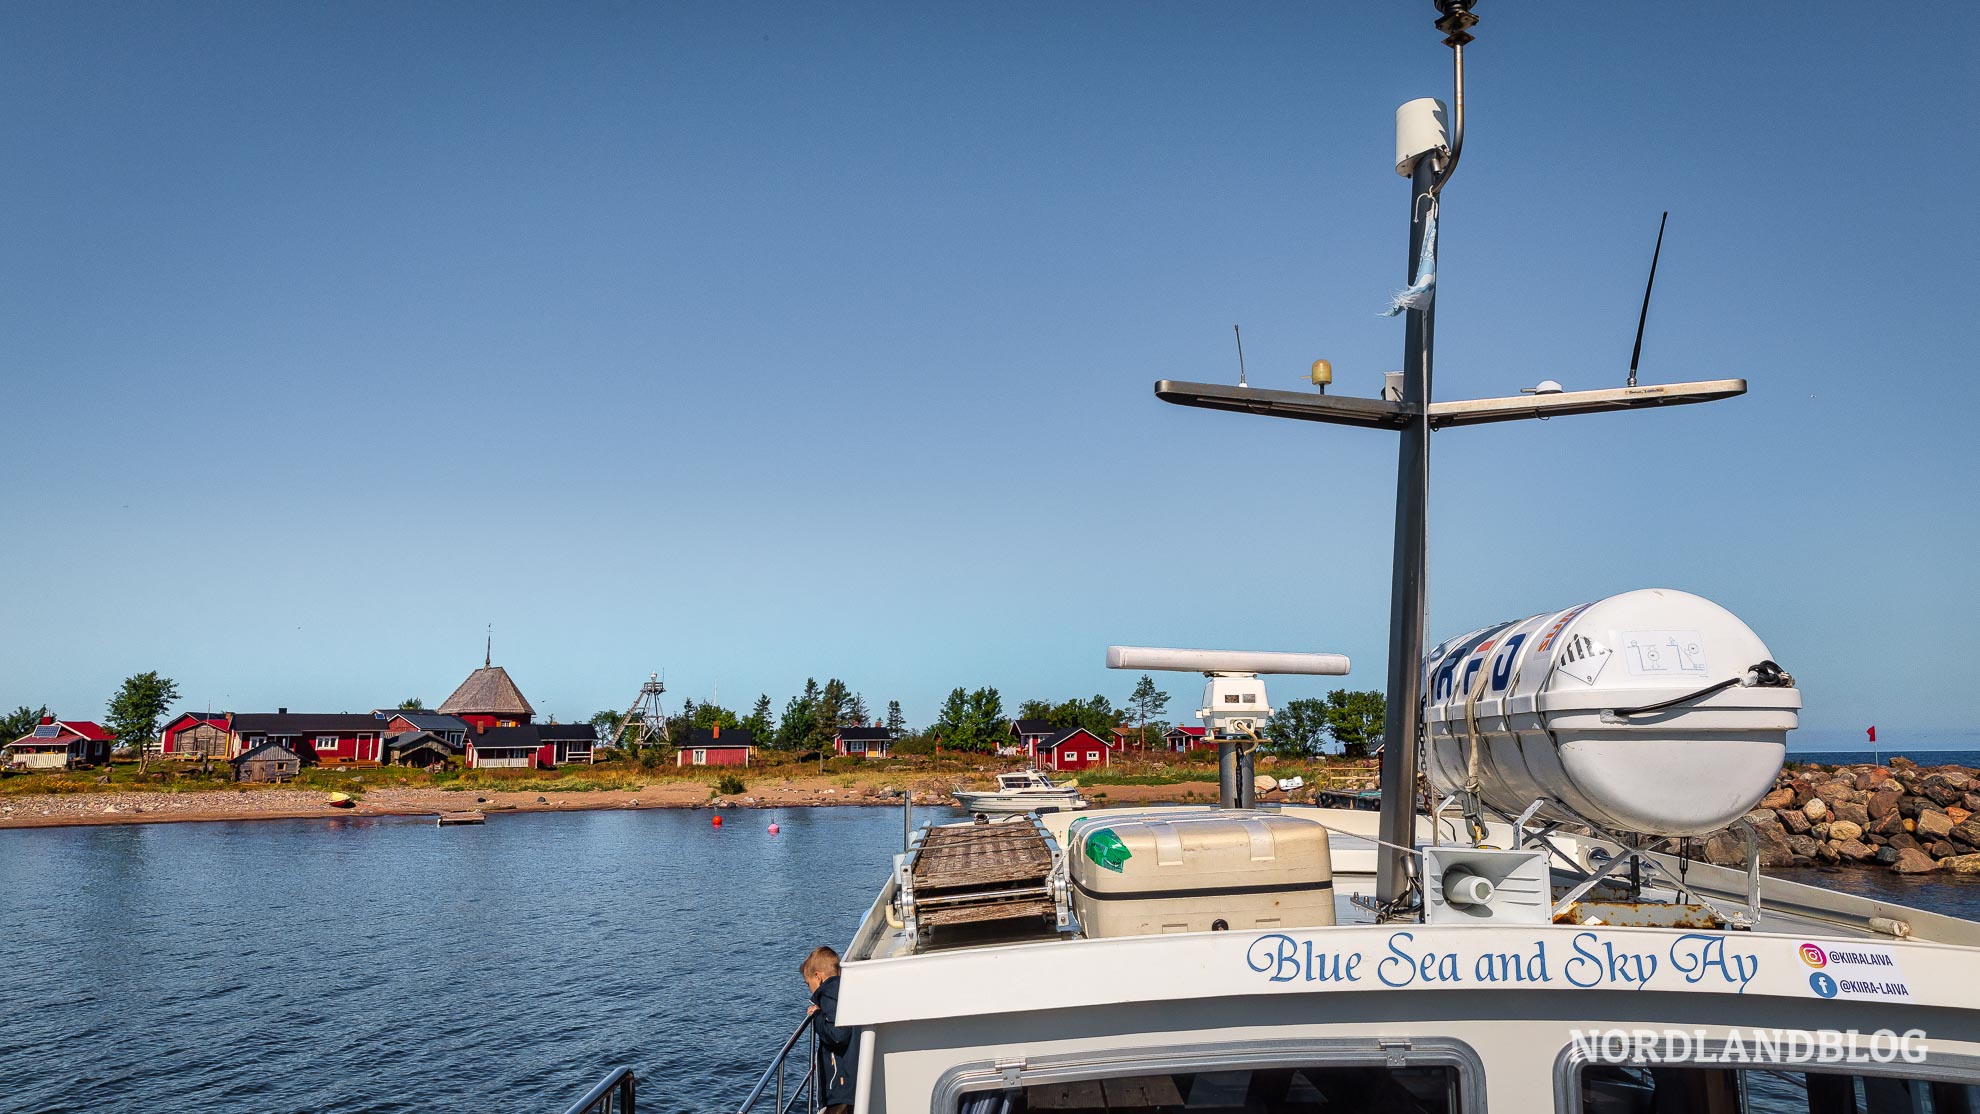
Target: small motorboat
[(341, 800), (1022, 792)]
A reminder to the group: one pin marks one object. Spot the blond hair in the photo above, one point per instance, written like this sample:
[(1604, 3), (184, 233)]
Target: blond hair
[(823, 962)]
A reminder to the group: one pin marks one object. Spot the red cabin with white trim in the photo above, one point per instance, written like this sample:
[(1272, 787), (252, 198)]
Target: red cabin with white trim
[(711, 747), (1075, 749)]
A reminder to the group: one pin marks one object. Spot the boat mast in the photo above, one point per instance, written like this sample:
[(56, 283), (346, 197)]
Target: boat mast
[(1406, 586)]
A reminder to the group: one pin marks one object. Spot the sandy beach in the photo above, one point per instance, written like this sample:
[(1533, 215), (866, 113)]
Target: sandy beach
[(42, 810)]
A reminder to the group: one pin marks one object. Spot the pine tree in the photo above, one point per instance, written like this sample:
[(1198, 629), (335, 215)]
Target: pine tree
[(896, 722), (759, 723)]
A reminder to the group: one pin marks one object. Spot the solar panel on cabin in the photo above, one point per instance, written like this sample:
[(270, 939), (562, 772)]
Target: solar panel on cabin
[(47, 731)]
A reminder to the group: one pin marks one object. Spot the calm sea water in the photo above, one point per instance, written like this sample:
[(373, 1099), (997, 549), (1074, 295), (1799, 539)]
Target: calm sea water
[(391, 965)]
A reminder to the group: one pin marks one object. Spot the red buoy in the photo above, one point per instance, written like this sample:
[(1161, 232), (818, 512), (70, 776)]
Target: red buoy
[(774, 829), (717, 821)]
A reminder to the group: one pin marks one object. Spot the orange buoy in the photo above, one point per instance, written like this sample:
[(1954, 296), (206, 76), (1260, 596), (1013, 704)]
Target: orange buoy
[(774, 829), (717, 821)]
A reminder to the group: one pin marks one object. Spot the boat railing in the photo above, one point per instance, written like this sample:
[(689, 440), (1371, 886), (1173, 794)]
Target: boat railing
[(612, 1095), (775, 1076)]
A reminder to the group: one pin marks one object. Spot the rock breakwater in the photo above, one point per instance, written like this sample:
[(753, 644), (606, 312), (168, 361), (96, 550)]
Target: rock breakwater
[(1903, 817)]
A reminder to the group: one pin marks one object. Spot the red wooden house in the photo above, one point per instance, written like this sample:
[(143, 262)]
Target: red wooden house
[(712, 747), (1182, 740), (321, 739), (1075, 749), (59, 744), (864, 742), (516, 747), (195, 735)]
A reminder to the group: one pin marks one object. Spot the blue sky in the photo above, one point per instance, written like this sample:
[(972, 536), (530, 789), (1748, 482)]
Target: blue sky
[(757, 342)]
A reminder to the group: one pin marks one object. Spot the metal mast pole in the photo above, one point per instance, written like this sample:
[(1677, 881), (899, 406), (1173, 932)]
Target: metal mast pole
[(1399, 729)]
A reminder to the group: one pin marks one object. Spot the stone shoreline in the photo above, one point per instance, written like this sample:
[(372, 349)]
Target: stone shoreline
[(1903, 817)]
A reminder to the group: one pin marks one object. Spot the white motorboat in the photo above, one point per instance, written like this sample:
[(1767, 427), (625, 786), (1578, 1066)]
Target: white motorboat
[(1021, 792), (1535, 940)]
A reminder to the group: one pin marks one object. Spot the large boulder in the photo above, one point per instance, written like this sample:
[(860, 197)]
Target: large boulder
[(1826, 852), (1854, 850), (1939, 791), (1854, 812), (1795, 820), (1816, 809), (1933, 825), (1870, 777), (1845, 831), (1903, 764), (1913, 861), (1774, 848), (1804, 847), (1778, 799), (1957, 813), (1962, 864), (1911, 804), (1724, 848), (1902, 841), (1943, 849), (1884, 802), (1970, 801), (1967, 831), (1836, 792), (1889, 824)]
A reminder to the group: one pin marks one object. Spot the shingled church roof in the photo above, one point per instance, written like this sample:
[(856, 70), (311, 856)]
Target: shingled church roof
[(488, 691)]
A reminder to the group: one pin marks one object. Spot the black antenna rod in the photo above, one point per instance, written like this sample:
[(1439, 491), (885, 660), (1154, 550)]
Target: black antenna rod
[(1637, 352), (1240, 344)]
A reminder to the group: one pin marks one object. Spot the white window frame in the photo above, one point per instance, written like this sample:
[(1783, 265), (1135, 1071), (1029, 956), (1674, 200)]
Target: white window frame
[(1093, 756), (701, 756), (319, 743)]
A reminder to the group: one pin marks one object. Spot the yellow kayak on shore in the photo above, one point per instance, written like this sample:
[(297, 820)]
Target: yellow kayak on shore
[(342, 800)]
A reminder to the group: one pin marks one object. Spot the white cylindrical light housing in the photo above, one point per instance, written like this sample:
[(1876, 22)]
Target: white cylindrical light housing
[(1420, 131), (1225, 661)]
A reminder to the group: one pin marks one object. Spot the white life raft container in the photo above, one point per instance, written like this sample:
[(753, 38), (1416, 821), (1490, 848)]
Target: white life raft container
[(1142, 874), (1654, 711)]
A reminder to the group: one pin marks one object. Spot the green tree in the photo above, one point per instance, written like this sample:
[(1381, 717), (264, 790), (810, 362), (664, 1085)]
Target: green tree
[(829, 712), (971, 721), (1355, 720), (856, 713), (1096, 715), (759, 722), (1035, 709), (897, 724), (138, 706), (1146, 705), (412, 704), (794, 729), (1297, 729), (21, 721)]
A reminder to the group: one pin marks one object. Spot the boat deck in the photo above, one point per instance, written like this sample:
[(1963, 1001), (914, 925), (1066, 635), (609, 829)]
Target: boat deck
[(975, 874), (995, 880)]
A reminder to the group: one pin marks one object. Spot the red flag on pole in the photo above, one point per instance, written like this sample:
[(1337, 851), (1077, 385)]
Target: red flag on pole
[(1873, 734)]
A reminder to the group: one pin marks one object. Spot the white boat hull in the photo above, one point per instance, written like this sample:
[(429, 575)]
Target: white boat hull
[(1001, 803)]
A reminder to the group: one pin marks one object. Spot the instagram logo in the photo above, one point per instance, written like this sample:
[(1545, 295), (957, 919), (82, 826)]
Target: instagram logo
[(1814, 956)]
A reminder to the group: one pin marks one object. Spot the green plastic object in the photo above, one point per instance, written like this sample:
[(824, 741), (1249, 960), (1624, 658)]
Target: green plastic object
[(1106, 850)]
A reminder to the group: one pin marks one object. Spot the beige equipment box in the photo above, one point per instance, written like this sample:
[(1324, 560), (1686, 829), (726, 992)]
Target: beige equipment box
[(1137, 875)]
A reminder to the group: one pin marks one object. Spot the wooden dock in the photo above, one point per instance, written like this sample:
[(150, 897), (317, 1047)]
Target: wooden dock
[(449, 819), (982, 873)]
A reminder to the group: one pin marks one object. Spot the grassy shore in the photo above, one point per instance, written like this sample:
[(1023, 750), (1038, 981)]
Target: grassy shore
[(173, 790)]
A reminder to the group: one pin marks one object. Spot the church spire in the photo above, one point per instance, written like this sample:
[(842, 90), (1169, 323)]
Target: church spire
[(488, 651)]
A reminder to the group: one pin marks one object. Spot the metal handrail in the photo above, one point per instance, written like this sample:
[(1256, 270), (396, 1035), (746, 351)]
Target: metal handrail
[(775, 1072), (612, 1095)]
